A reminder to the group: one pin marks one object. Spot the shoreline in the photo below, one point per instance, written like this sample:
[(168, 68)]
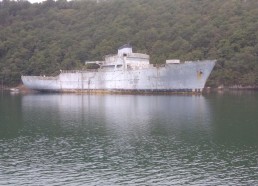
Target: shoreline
[(24, 90)]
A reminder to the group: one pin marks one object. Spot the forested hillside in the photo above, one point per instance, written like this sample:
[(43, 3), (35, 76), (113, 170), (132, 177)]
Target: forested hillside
[(43, 38)]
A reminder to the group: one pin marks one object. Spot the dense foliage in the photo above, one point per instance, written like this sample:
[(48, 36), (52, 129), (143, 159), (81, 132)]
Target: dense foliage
[(43, 38)]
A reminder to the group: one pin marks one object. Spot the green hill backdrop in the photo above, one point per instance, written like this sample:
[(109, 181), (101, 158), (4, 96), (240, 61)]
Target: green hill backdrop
[(43, 38)]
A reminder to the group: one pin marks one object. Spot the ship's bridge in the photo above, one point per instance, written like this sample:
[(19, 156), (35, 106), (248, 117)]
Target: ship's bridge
[(127, 58), (125, 50), (113, 59), (137, 60)]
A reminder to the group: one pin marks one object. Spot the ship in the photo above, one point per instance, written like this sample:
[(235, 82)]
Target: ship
[(127, 71)]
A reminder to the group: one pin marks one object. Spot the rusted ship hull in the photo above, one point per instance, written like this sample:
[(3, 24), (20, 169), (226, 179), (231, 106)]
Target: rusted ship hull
[(184, 77)]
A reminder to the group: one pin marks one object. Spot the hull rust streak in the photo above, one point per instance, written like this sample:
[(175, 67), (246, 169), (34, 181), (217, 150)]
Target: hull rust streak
[(128, 72)]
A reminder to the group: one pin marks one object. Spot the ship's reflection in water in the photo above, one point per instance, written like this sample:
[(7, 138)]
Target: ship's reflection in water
[(68, 139), (119, 115)]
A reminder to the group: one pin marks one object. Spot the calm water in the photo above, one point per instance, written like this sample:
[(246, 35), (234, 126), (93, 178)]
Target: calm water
[(58, 139)]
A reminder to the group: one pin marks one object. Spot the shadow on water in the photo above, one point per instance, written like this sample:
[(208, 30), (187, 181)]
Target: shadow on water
[(10, 115), (235, 118)]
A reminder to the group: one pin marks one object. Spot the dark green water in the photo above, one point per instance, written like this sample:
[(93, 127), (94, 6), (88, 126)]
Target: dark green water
[(58, 139)]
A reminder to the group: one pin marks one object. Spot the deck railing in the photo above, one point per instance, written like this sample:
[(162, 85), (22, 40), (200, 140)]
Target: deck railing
[(78, 71)]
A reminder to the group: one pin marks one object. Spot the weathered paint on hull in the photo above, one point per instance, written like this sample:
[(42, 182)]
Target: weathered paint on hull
[(186, 77)]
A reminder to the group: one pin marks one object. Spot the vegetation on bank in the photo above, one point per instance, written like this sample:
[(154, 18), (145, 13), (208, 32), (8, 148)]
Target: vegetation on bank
[(46, 37)]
